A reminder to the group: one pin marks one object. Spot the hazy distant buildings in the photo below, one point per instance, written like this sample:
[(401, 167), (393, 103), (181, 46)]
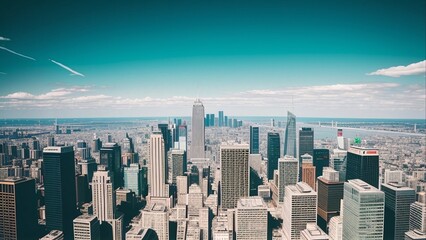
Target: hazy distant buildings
[(393, 176), (251, 219), (363, 211), (59, 188), (198, 134), (398, 199), (290, 136), (273, 153), (157, 166), (221, 119), (234, 164), (300, 208), (18, 209), (254, 140), (363, 163)]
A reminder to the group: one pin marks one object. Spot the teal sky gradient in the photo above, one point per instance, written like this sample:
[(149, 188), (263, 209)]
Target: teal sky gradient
[(210, 49)]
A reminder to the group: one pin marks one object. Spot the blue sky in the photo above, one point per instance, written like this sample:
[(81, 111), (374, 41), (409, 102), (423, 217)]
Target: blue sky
[(250, 58)]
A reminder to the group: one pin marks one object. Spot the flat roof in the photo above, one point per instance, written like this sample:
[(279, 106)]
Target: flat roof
[(251, 202), (58, 149)]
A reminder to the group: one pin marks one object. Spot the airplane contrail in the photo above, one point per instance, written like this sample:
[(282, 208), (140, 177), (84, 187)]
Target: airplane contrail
[(3, 73), (4, 39), (13, 52), (73, 72)]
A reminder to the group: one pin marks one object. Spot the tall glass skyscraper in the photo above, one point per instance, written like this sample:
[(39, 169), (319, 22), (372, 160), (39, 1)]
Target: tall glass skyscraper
[(363, 163), (290, 136), (321, 159), (306, 145), (198, 130), (59, 188), (273, 153), (110, 157), (132, 178), (254, 140), (221, 118)]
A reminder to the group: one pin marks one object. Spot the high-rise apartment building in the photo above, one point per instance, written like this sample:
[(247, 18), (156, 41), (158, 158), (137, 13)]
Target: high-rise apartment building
[(363, 163), (59, 189), (418, 213), (308, 170), (198, 131), (290, 136), (273, 153), (398, 199), (251, 219), (363, 211), (288, 174), (300, 208), (18, 209), (177, 164), (234, 165), (254, 140)]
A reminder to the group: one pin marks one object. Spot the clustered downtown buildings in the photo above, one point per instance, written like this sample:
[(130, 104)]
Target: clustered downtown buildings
[(166, 186)]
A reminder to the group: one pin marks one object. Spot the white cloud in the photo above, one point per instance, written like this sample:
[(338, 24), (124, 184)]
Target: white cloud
[(4, 39), (412, 69), (73, 72), (346, 100)]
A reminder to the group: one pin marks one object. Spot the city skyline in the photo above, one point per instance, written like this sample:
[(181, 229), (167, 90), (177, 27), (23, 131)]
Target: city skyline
[(252, 59)]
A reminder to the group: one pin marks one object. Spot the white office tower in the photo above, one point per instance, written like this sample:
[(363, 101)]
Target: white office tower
[(205, 222), (418, 213), (195, 200), (157, 166), (300, 208), (313, 232), (182, 189), (364, 209), (288, 174), (394, 176), (234, 165), (103, 195), (251, 220), (176, 163), (86, 227), (157, 218), (335, 228), (198, 134)]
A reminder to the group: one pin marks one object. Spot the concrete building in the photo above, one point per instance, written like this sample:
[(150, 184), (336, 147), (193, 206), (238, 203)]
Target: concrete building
[(198, 130), (234, 160), (86, 227), (335, 228), (363, 163), (157, 166), (393, 176), (156, 217), (288, 174), (195, 200), (308, 170), (251, 219), (53, 235), (103, 195), (313, 232), (133, 178), (176, 163), (300, 208)]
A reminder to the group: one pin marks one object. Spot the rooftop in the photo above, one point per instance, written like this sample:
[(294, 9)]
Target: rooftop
[(251, 202), (362, 186)]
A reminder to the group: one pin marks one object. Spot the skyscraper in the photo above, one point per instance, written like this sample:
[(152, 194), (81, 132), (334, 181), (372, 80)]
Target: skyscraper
[(418, 214), (177, 164), (306, 143), (363, 211), (133, 178), (398, 199), (290, 136), (212, 122), (18, 209), (288, 171), (221, 119), (167, 137), (59, 188), (308, 170), (234, 165), (273, 153), (86, 227), (103, 195), (198, 134), (321, 159), (363, 163), (254, 140), (128, 146), (110, 157), (157, 166), (300, 208), (156, 217), (330, 192), (251, 219)]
